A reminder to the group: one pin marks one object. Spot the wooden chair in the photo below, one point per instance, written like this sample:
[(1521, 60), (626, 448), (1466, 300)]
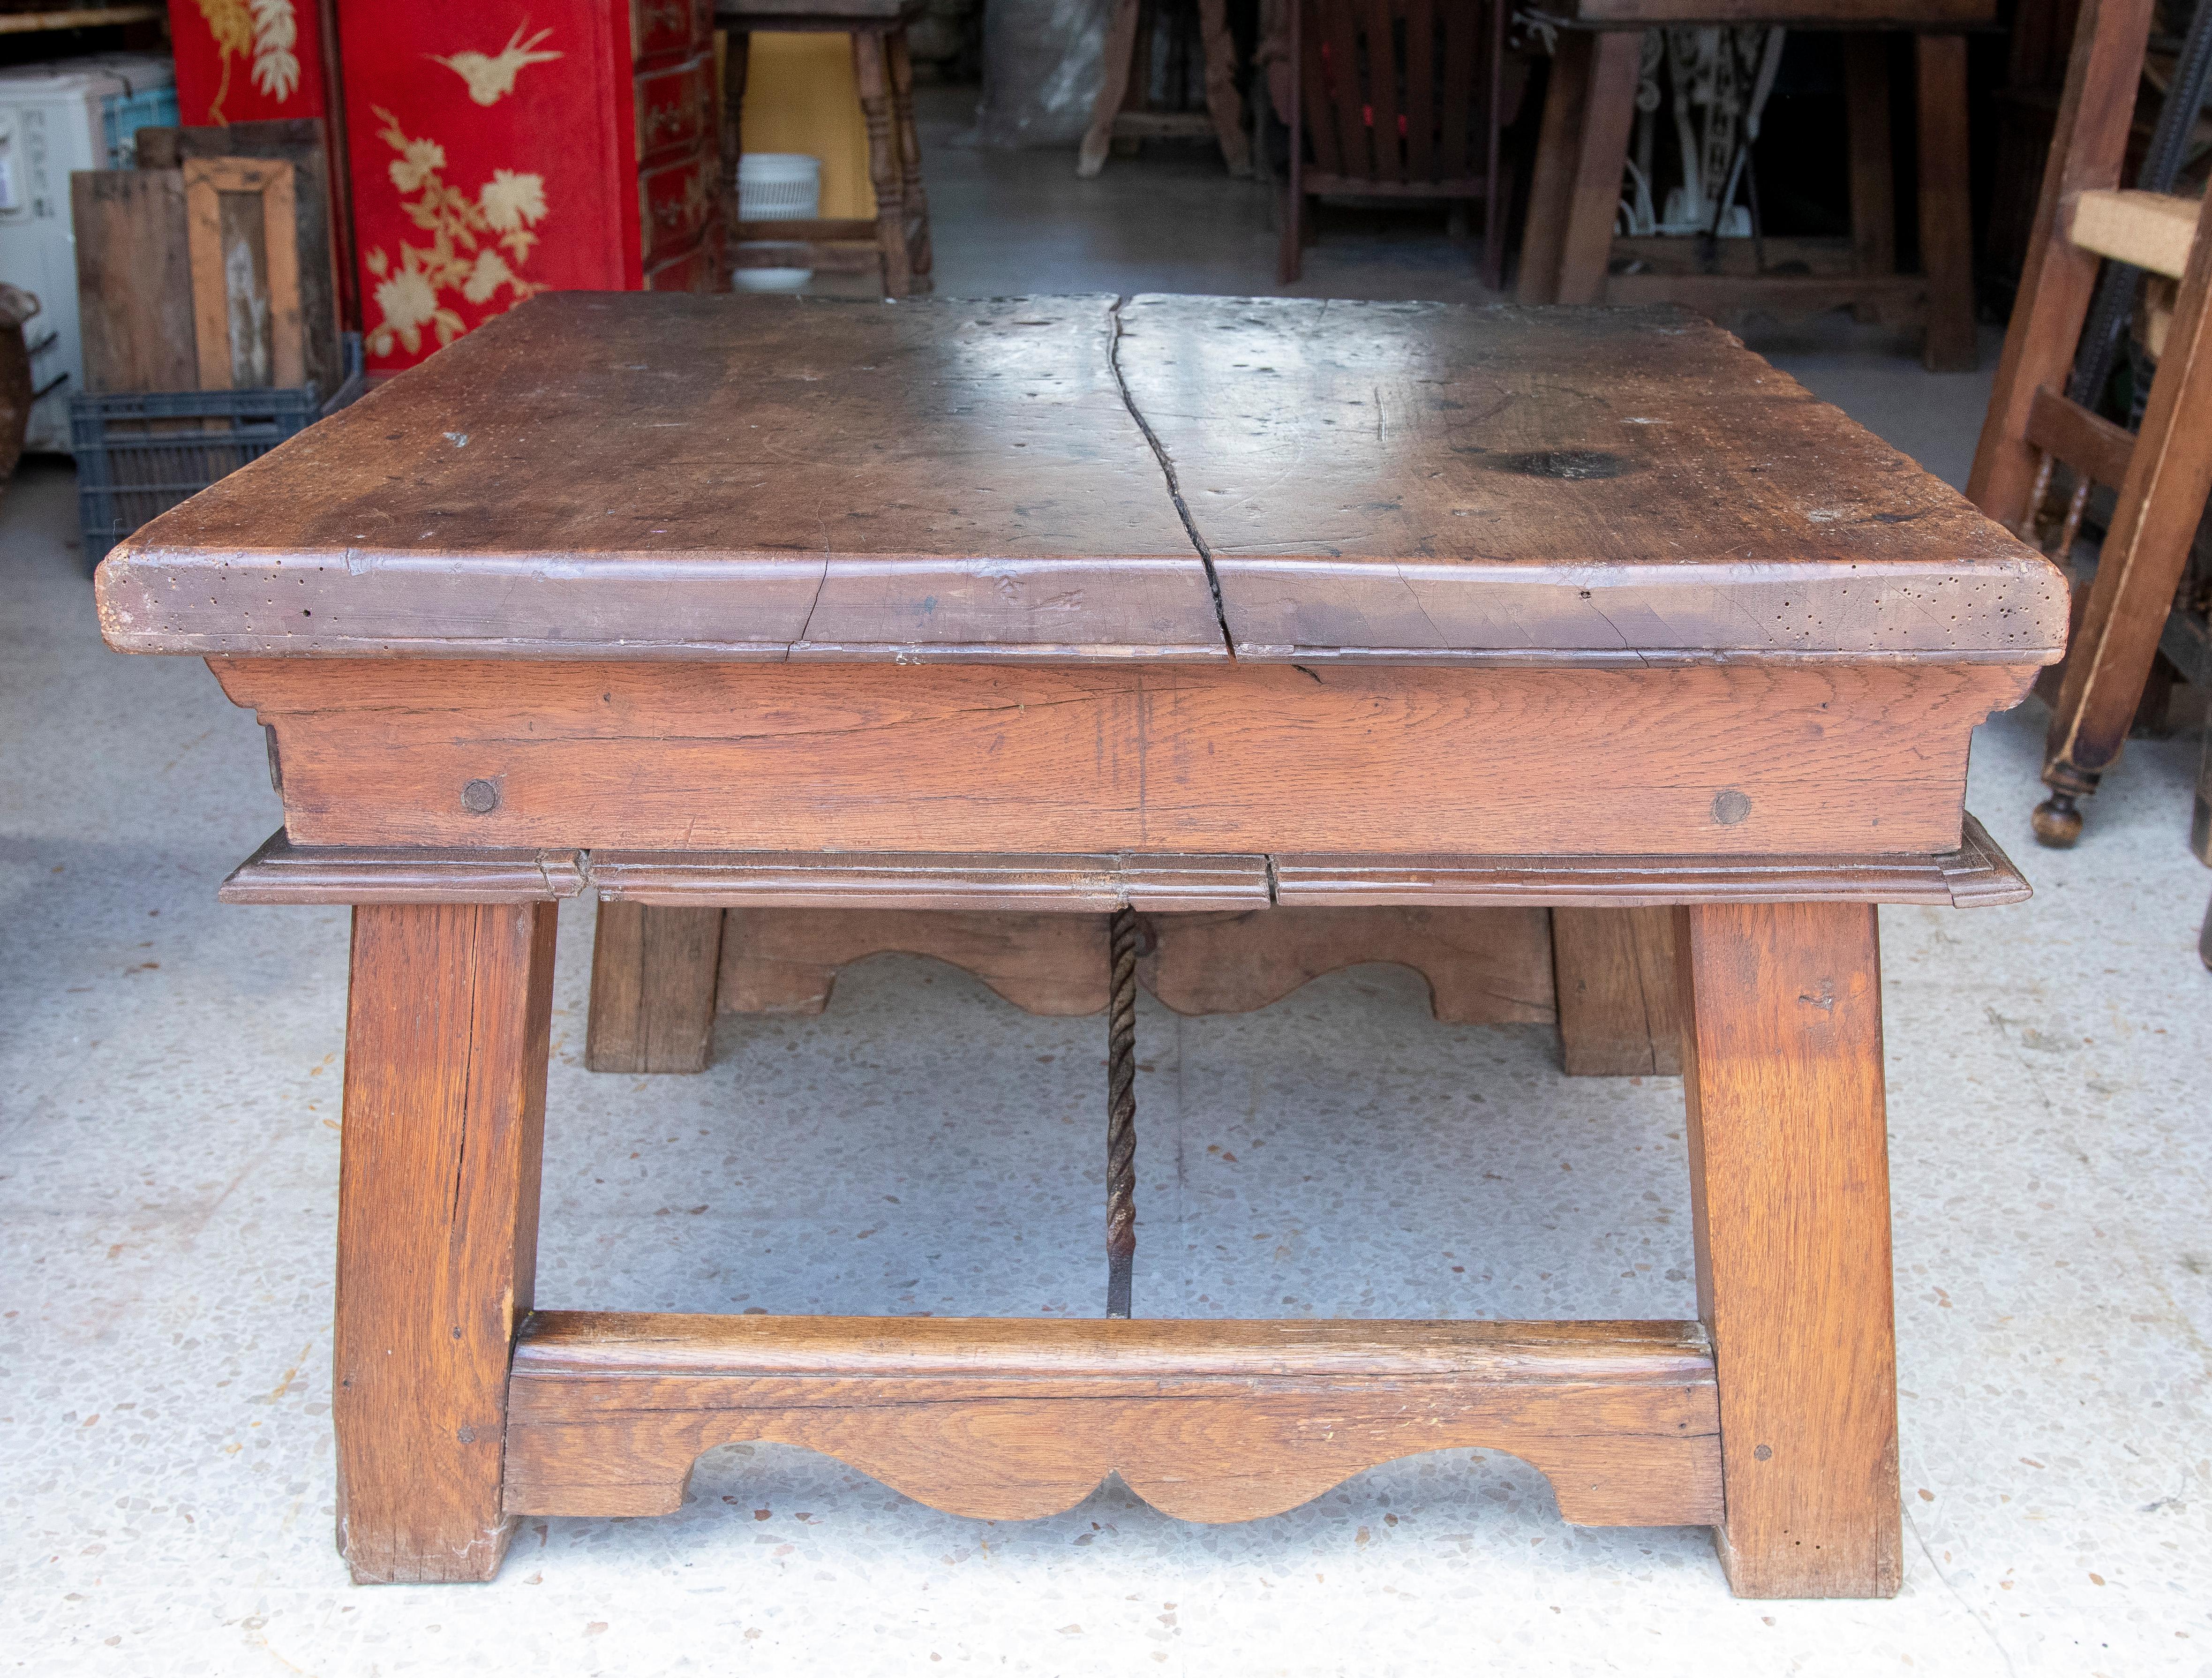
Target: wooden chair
[(2163, 472), (1123, 110), (1397, 98)]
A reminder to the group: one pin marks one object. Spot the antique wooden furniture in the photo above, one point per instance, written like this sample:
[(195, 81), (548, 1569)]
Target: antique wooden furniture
[(1567, 248), (1123, 110), (2037, 417), (1165, 605), (1400, 100), (900, 232)]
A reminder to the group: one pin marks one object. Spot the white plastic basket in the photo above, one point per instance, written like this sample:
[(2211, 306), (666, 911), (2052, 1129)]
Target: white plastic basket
[(778, 186)]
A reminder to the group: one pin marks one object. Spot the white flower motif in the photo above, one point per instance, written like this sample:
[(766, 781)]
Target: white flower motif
[(511, 201), (275, 33), (489, 273), (409, 301), (421, 160)]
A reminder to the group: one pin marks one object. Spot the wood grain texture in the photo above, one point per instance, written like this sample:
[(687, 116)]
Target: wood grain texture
[(283, 872), (805, 479), (134, 280), (910, 880), (298, 141), (1580, 483), (786, 961), (653, 989), (2152, 230), (1946, 223), (1205, 1422), (2088, 143), (1484, 966), (1617, 991), (1976, 875), (1790, 1198), (2088, 442), (1710, 760), (1801, 14), (242, 236), (447, 1021), (1873, 182)]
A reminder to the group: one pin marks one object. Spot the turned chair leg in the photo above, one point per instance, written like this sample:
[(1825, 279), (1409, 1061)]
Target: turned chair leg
[(653, 989), (447, 1020), (1789, 1197)]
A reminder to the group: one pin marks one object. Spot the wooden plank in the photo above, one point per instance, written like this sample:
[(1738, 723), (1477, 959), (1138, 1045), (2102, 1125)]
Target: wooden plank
[(1426, 120), (1618, 1015), (1946, 223), (1558, 162), (2145, 546), (1319, 110), (1608, 112), (919, 880), (1381, 104), (1437, 477), (283, 872), (2088, 139), (2152, 230), (133, 280), (1616, 484), (246, 279), (653, 989), (1790, 1198), (1113, 88), (447, 1021), (1712, 760), (2088, 442), (1894, 299), (1002, 1419), (75, 17), (1484, 966), (1866, 122), (1975, 875), (786, 961), (319, 240), (1915, 15)]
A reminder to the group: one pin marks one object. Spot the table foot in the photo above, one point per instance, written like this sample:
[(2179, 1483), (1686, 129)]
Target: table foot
[(652, 988), (448, 1016), (1790, 1198)]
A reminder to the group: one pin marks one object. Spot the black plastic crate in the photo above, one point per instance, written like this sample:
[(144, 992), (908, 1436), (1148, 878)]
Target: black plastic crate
[(141, 452)]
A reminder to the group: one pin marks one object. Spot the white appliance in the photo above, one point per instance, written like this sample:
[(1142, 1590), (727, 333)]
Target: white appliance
[(76, 113)]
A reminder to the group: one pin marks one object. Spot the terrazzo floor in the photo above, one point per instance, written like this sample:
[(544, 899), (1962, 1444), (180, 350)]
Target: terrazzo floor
[(169, 1075)]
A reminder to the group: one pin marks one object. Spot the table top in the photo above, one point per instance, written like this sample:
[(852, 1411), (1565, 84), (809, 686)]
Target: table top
[(649, 476)]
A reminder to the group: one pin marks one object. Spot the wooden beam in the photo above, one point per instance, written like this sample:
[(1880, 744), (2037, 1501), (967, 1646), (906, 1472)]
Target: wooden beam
[(1012, 1419), (2151, 230)]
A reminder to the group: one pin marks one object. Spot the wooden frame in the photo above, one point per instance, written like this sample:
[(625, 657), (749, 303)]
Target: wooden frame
[(1590, 108), (230, 286)]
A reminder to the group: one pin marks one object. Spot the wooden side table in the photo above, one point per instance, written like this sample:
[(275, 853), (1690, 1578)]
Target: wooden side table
[(1174, 606), (900, 232), (1567, 248)]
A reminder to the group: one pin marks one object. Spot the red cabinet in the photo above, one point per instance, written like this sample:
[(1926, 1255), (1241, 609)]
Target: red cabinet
[(496, 150)]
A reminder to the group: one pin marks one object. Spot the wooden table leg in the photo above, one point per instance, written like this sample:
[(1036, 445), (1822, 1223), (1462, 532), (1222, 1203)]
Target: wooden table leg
[(1551, 184), (1873, 188), (1615, 970), (1947, 238), (1790, 1192), (446, 1025), (1221, 101), (871, 70), (915, 226), (653, 989), (1600, 157), (1113, 89)]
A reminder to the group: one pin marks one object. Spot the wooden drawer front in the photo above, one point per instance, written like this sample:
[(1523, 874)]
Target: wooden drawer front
[(675, 108), (694, 270), (664, 29), (677, 198)]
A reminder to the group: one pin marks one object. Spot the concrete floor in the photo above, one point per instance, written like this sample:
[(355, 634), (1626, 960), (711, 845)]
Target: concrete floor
[(169, 1077)]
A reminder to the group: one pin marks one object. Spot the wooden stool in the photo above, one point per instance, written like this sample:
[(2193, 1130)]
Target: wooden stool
[(1123, 110), (1568, 622), (1567, 247), (2164, 473), (900, 233)]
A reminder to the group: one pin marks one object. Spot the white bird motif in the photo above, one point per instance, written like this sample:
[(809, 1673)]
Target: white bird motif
[(490, 77)]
